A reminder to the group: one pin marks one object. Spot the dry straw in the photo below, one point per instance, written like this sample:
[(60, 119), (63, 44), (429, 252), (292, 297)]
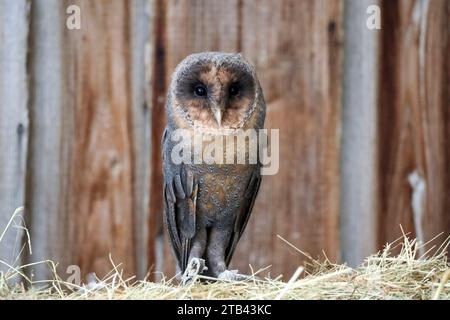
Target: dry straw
[(385, 275)]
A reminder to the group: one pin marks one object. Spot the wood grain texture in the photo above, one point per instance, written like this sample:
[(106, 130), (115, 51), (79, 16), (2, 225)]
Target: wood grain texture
[(44, 198), (299, 73), (158, 89), (14, 26), (101, 156), (140, 68), (89, 148), (359, 176), (414, 120)]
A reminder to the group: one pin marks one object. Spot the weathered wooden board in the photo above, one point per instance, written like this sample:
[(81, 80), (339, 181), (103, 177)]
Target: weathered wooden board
[(414, 139), (89, 133), (14, 26), (359, 202), (45, 218), (158, 82), (141, 41), (297, 49)]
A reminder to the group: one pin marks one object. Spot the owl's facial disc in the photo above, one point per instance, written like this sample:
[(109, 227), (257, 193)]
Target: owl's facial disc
[(215, 96)]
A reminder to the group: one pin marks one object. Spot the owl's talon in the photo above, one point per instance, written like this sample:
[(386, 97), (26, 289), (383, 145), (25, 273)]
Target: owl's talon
[(195, 267), (233, 275)]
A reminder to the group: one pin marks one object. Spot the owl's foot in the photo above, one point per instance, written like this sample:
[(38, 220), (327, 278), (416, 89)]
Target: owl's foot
[(195, 267), (233, 275)]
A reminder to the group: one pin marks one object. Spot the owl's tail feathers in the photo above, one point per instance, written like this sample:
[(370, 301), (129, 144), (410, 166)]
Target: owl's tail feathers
[(185, 254)]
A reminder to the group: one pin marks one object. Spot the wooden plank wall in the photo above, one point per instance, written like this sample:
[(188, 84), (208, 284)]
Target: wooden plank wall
[(414, 110), (359, 152), (80, 140), (14, 26), (89, 155)]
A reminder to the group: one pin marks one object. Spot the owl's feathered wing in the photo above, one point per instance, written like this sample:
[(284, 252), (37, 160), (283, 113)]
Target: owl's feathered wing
[(180, 198)]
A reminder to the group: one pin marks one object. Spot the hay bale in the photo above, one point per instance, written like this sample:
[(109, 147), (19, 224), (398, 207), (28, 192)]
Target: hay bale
[(384, 275)]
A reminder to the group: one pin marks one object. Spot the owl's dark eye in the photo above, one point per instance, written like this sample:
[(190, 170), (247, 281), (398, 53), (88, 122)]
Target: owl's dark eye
[(200, 90), (234, 90)]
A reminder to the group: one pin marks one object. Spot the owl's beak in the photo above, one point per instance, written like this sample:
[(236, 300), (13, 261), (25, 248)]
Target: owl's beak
[(217, 115)]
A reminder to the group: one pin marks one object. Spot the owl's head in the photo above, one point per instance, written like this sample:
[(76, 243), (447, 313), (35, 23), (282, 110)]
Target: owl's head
[(214, 90)]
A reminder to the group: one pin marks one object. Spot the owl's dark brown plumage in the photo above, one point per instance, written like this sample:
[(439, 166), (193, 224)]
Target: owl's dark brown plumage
[(207, 206)]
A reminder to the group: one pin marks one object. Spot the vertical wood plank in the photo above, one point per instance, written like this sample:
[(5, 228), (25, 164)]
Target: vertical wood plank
[(358, 210), (434, 119), (84, 187), (14, 26), (101, 163), (45, 214), (446, 116), (158, 83), (413, 136), (141, 42)]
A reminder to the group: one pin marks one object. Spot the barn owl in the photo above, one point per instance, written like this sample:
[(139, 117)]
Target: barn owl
[(207, 206)]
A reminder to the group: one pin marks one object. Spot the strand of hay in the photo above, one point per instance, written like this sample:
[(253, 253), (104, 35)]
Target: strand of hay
[(384, 275)]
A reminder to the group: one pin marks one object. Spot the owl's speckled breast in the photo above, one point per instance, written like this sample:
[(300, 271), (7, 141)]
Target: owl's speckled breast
[(221, 188)]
